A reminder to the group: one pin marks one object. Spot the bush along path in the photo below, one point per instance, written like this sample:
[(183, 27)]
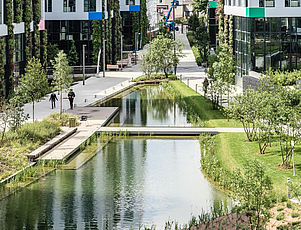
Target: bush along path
[(20, 141), (199, 107), (228, 158)]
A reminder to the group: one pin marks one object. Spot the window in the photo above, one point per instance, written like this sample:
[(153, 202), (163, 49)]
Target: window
[(292, 3), (266, 3), (90, 5), (130, 2), (48, 5), (84, 30), (269, 3), (19, 49), (69, 5)]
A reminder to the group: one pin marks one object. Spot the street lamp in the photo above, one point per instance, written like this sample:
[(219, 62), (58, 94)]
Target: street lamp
[(104, 58), (174, 35), (136, 45), (84, 69), (121, 50), (98, 63)]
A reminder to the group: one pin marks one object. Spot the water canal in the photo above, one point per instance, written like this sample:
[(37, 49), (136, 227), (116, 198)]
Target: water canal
[(132, 182)]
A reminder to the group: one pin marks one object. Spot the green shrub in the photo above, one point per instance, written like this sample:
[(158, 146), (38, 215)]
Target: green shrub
[(37, 131), (198, 58), (284, 199), (61, 119), (288, 205), (280, 216), (295, 215), (211, 59), (284, 78), (279, 209), (154, 76), (191, 38)]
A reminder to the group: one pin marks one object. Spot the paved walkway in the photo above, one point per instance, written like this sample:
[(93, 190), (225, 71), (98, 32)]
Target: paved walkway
[(97, 89), (192, 74), (93, 90)]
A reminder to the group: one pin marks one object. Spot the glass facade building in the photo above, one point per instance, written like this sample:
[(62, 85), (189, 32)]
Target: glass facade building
[(263, 43), (267, 34)]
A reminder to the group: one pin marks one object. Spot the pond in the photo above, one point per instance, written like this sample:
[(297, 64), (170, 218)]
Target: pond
[(132, 182), (147, 106)]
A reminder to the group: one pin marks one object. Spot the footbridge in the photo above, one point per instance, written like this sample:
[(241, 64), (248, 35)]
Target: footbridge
[(168, 131)]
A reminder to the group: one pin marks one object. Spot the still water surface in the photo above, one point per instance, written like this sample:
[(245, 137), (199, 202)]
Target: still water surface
[(148, 106), (132, 182)]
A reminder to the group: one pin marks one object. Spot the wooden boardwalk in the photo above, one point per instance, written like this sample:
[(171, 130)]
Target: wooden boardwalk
[(97, 116), (168, 131)]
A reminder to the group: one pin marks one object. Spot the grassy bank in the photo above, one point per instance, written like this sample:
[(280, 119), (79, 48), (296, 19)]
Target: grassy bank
[(203, 107), (233, 151), (18, 143)]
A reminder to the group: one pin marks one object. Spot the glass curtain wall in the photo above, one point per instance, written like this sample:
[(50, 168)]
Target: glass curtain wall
[(69, 5), (90, 5), (261, 43)]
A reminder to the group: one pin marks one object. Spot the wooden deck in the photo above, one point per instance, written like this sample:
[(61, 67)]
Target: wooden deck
[(97, 116)]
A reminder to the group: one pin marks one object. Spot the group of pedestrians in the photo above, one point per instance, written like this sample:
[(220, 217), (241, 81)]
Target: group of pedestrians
[(53, 99)]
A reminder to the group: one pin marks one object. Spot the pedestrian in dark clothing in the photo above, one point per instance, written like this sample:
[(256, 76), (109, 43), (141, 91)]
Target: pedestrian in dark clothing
[(52, 99), (71, 96), (205, 85)]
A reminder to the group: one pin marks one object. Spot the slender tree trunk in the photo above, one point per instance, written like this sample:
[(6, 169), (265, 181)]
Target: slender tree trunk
[(32, 110), (61, 101)]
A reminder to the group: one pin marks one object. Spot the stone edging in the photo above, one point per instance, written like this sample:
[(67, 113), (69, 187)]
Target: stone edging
[(50, 144)]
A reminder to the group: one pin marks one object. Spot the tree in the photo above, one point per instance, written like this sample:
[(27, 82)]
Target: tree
[(244, 108), (193, 23), (288, 125), (12, 115), (34, 83), (253, 188), (52, 51), (146, 62), (202, 39), (200, 6), (4, 118), (163, 31), (163, 53), (62, 77), (72, 56)]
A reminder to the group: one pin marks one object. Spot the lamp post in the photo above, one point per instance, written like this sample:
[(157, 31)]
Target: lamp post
[(98, 63), (84, 69), (121, 50), (293, 144), (104, 59), (174, 34), (136, 46)]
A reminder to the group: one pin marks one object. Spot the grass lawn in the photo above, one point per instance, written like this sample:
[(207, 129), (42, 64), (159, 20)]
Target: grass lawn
[(203, 107), (17, 144), (233, 151)]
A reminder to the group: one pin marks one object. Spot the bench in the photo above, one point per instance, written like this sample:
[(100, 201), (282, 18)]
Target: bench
[(123, 63), (50, 144), (112, 67)]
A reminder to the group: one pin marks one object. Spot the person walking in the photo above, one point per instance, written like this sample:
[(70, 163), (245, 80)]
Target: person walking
[(52, 99), (71, 96), (205, 86)]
